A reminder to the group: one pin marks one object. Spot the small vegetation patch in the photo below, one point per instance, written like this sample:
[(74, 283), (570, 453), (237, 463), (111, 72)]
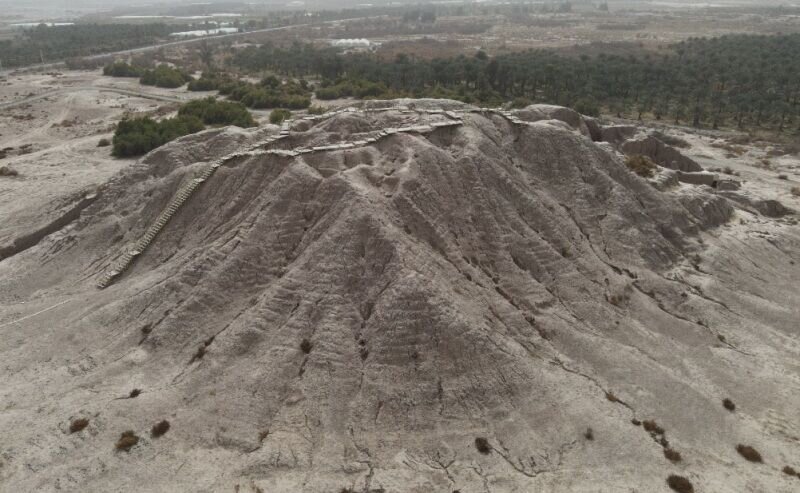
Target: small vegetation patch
[(680, 484), (672, 455), (749, 453), (214, 112), (279, 115), (588, 434), (641, 165), (134, 393), (271, 92), (482, 445), (306, 346), (104, 143), (78, 425), (8, 171), (317, 110), (127, 440), (164, 76), (728, 404), (652, 427), (137, 136), (790, 471), (122, 69), (160, 428), (796, 191), (201, 352)]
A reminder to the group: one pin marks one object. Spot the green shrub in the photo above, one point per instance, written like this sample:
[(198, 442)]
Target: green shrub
[(587, 107), (165, 76), (317, 110), (202, 84), (279, 115), (137, 136), (122, 69), (213, 112)]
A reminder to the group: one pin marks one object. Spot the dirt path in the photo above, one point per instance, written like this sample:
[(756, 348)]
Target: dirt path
[(56, 92)]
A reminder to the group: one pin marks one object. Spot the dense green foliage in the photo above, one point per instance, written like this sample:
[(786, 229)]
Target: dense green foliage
[(279, 115), (164, 76), (59, 42), (122, 69), (213, 112), (746, 80), (269, 93), (160, 76), (136, 136)]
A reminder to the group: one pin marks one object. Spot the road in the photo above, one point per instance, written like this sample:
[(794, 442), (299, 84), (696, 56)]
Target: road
[(144, 49)]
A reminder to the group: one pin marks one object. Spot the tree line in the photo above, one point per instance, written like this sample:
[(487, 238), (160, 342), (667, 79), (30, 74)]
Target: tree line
[(55, 43), (741, 80)]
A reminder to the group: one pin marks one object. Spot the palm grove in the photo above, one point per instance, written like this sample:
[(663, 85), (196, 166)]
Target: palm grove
[(735, 80)]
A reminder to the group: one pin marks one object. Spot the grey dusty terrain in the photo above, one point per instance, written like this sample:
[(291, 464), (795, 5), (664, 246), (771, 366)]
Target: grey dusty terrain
[(353, 313)]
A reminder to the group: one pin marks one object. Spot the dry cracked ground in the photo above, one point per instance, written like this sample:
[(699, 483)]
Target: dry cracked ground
[(485, 307)]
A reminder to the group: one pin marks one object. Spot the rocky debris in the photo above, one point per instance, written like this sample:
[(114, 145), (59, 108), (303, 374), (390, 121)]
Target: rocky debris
[(495, 279)]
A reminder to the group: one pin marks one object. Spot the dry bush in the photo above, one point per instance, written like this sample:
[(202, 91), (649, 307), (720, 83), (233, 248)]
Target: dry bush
[(127, 440), (618, 300), (8, 171), (78, 425), (135, 393), (652, 427), (159, 428), (611, 397), (783, 177), (790, 471), (201, 351), (104, 143), (672, 455), (796, 191), (680, 484), (728, 404), (482, 445), (749, 453), (589, 434), (306, 346), (641, 165), (636, 422)]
